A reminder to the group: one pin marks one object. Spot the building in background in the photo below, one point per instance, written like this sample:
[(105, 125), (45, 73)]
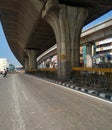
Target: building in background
[(11, 68), (91, 54), (81, 56), (4, 64), (104, 51), (98, 53)]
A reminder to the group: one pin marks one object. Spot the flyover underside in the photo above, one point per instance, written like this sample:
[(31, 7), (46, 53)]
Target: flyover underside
[(25, 28), (92, 35), (18, 19), (42, 38), (97, 36), (51, 54)]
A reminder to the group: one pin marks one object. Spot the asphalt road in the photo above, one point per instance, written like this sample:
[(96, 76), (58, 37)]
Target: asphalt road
[(29, 103)]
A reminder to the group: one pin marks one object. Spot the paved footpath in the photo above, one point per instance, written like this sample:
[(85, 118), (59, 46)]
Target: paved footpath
[(29, 103)]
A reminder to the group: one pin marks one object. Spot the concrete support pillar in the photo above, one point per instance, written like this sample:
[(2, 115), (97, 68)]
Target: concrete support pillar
[(89, 54), (94, 49), (84, 55), (67, 22), (89, 49), (32, 55), (26, 63), (77, 19)]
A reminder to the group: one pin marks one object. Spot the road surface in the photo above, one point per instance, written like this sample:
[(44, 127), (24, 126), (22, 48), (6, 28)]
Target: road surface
[(29, 103)]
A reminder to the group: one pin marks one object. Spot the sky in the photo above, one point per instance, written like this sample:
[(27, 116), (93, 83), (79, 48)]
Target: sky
[(5, 51)]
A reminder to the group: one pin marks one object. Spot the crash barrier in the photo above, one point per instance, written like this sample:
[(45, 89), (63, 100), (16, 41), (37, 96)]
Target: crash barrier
[(103, 65), (45, 72), (99, 79)]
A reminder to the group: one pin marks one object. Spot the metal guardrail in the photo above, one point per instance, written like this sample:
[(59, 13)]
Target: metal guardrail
[(99, 79), (45, 72), (103, 70)]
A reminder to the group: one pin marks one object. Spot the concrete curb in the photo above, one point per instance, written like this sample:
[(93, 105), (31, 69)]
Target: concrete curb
[(105, 96), (83, 90)]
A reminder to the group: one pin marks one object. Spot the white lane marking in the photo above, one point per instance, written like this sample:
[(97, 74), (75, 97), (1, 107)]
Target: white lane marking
[(18, 123), (77, 91), (24, 95)]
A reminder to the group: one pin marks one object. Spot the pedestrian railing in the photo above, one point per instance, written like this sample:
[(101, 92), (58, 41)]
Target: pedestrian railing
[(45, 72), (95, 78)]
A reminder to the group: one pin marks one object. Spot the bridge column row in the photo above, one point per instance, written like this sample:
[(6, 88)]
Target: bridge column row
[(30, 60), (66, 22)]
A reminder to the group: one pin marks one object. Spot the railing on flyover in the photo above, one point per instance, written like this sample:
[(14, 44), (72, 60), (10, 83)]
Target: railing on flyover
[(99, 79)]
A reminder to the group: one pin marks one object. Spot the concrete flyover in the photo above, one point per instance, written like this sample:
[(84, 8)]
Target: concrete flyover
[(33, 26), (91, 35)]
